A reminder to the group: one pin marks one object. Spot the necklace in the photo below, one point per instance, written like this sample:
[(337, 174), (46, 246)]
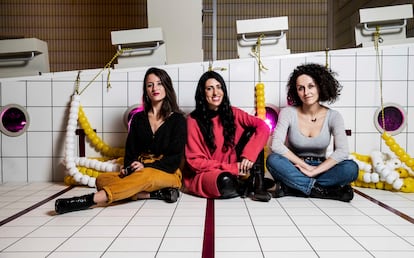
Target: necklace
[(313, 120)]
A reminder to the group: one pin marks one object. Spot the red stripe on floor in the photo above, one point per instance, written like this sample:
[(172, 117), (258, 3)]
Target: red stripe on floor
[(15, 216), (396, 212), (208, 243)]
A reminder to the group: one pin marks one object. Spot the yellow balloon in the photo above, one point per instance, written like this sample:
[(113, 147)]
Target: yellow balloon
[(399, 152), (410, 162), (260, 99), (386, 136), (259, 92), (261, 105), (390, 141), (260, 86), (394, 147), (404, 157)]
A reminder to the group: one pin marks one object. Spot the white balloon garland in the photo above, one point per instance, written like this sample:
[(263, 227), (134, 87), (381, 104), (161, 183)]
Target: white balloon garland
[(72, 161)]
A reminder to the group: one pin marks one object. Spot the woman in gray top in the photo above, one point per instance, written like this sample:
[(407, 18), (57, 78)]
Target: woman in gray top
[(303, 133)]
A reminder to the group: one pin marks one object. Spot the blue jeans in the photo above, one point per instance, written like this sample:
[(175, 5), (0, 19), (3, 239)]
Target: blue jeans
[(284, 171)]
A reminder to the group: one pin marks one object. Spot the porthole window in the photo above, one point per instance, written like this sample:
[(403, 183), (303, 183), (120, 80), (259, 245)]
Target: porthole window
[(14, 120), (393, 121), (272, 116), (130, 112)]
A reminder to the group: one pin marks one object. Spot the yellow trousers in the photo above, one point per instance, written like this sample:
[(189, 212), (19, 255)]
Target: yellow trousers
[(145, 180)]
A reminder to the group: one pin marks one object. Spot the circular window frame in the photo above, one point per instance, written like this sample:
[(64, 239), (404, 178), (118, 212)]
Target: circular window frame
[(4, 129), (403, 122), (128, 111)]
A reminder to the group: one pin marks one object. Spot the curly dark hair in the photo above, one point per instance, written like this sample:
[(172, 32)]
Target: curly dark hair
[(329, 88), (170, 101), (203, 115)]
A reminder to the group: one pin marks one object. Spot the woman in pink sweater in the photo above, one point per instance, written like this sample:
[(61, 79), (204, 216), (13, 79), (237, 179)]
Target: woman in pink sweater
[(223, 145)]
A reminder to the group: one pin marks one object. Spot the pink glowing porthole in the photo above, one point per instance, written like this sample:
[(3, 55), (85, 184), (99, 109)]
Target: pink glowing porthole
[(271, 117), (130, 112), (14, 120), (393, 120)]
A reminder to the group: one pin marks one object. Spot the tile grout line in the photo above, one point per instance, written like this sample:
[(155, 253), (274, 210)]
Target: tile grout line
[(389, 208), (208, 241), (15, 216)]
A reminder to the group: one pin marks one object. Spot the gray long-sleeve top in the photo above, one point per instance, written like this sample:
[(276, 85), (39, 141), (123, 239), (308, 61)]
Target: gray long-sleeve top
[(288, 136)]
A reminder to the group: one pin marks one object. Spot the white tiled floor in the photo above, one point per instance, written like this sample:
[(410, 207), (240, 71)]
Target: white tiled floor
[(284, 227)]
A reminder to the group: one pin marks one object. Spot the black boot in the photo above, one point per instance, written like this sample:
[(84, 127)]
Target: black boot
[(340, 193), (282, 190), (168, 194), (227, 185), (74, 204), (259, 191)]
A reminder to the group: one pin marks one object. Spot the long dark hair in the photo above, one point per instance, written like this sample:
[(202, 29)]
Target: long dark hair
[(169, 103), (203, 115), (329, 87)]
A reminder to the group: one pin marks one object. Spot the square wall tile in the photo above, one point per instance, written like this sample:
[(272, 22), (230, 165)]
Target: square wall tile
[(59, 118), (396, 50), (367, 93), (288, 65), (114, 119), (410, 66), (115, 76), (62, 92), (348, 95), (115, 140), (39, 170), (367, 67), (95, 117), (116, 95), (39, 144), (137, 76), (40, 118), (365, 143), (344, 67), (39, 93), (410, 147), (59, 170), (93, 94), (364, 120), (272, 93), (317, 59), (190, 72), (348, 114), (134, 95), (394, 92), (14, 146), (388, 67), (187, 93), (242, 94), (59, 144), (14, 169), (13, 92), (272, 71), (242, 70), (410, 119)]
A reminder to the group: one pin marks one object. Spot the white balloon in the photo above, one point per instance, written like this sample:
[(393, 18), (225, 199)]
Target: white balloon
[(85, 179), (398, 183), (367, 177), (92, 182), (77, 177), (374, 177)]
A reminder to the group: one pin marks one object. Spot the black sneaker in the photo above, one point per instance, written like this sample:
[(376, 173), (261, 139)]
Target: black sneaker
[(168, 194)]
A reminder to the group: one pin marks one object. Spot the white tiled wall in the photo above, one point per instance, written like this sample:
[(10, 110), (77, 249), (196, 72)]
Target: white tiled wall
[(37, 154)]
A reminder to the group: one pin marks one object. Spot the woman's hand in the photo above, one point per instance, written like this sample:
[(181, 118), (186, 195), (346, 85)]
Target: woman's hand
[(244, 167), (135, 166)]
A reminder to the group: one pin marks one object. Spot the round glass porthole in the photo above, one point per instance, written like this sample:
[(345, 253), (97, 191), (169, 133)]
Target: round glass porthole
[(14, 120), (271, 117), (393, 120), (130, 112)]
